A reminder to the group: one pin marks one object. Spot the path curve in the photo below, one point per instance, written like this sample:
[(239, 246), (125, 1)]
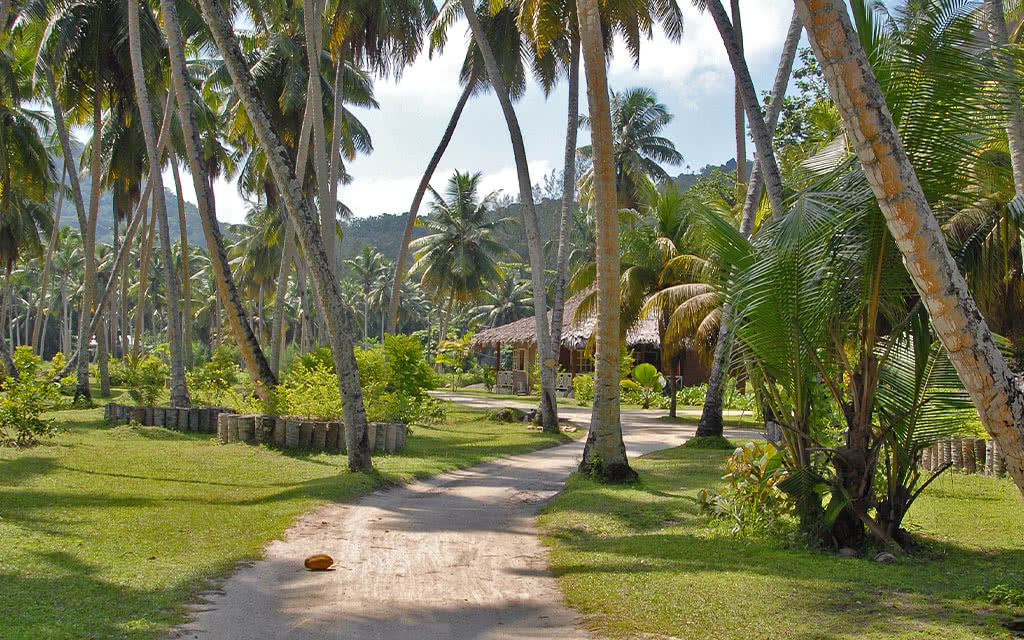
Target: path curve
[(452, 557)]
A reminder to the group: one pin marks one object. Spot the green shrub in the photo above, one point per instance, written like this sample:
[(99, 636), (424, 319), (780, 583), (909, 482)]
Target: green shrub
[(490, 378), (583, 389), (212, 383), (1008, 594), (24, 400), (67, 383), (752, 501), (146, 375), (309, 392)]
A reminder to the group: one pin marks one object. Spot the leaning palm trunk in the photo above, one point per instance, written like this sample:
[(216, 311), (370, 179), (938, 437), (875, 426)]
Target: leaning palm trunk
[(568, 193), (741, 121), (186, 270), (997, 395), (546, 356), (421, 190), (256, 363), (179, 392), (1014, 111), (605, 452), (338, 316), (710, 423), (47, 264), (82, 389)]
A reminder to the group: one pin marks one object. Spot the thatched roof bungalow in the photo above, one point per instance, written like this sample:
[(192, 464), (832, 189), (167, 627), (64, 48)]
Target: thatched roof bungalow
[(515, 350)]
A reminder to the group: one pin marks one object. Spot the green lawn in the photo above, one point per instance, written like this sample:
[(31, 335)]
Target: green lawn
[(641, 562), (106, 532)]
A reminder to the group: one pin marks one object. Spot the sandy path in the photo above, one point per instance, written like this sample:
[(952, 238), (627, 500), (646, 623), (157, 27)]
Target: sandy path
[(452, 557)]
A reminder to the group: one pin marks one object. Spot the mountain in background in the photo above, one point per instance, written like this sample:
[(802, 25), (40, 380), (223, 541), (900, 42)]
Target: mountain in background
[(105, 221)]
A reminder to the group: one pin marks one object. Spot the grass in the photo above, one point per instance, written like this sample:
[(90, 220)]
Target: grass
[(640, 561), (108, 531)]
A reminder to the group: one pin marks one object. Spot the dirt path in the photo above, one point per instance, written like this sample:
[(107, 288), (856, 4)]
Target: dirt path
[(449, 558)]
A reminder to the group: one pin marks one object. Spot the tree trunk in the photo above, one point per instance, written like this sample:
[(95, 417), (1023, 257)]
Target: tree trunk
[(186, 269), (179, 391), (256, 363), (410, 223), (47, 263), (102, 357), (5, 11), (1014, 111), (741, 121), (758, 128), (366, 318), (146, 249), (710, 423), (338, 315), (315, 111), (954, 314), (334, 175), (568, 194), (548, 404), (82, 389), (605, 452)]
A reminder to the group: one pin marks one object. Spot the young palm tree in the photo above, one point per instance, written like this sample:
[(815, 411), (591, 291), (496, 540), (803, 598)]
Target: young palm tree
[(367, 268), (637, 121), (458, 259), (954, 314)]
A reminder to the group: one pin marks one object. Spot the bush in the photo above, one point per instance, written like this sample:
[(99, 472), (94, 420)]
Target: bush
[(68, 382), (24, 400), (752, 500), (212, 383), (146, 375), (583, 389), (309, 392)]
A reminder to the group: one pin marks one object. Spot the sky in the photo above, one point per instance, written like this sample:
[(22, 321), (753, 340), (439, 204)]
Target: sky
[(692, 78)]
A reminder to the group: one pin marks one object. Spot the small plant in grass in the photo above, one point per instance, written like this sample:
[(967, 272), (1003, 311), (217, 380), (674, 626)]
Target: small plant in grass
[(23, 401), (1010, 595), (646, 381), (67, 383), (211, 383), (751, 501), (490, 378), (146, 375), (583, 389)]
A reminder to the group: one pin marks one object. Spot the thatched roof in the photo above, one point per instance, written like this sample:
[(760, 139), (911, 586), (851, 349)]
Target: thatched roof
[(575, 335)]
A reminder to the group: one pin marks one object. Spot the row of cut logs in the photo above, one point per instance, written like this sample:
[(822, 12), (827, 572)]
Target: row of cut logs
[(299, 433), (969, 455), (194, 419), (289, 433)]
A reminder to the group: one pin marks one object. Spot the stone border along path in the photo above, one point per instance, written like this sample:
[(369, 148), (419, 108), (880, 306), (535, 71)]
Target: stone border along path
[(452, 557)]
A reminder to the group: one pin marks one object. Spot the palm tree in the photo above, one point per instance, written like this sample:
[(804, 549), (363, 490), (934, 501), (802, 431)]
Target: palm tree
[(368, 266), (999, 39), (604, 442), (637, 121), (917, 234), (509, 302), (458, 258)]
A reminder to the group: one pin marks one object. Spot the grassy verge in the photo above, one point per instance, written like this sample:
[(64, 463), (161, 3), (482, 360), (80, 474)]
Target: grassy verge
[(106, 532), (640, 561)]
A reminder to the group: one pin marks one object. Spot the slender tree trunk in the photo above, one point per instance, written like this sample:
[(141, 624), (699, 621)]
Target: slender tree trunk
[(65, 329), (186, 269), (5, 347), (5, 12), (256, 363), (334, 175), (548, 363), (410, 223), (710, 423), (102, 360), (338, 315), (314, 111), (605, 452), (179, 391), (997, 395), (366, 318), (1012, 103), (146, 249), (47, 264), (758, 128), (568, 193), (42, 342), (741, 122)]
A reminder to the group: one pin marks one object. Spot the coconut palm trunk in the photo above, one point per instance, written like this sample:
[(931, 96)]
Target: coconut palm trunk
[(741, 121), (546, 356), (179, 392), (255, 362), (421, 190), (568, 193), (997, 394), (186, 269), (47, 265), (997, 34), (338, 316), (145, 250), (5, 12), (710, 423), (315, 113), (605, 452)]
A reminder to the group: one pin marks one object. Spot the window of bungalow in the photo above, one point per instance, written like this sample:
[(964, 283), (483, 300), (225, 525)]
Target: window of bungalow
[(519, 360), (584, 362)]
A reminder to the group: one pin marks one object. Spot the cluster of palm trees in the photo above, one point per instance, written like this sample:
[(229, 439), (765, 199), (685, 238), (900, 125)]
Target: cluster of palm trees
[(170, 83)]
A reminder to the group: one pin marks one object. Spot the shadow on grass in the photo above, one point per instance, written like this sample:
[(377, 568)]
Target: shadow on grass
[(19, 470)]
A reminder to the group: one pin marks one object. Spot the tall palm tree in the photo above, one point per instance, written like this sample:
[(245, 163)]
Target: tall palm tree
[(508, 302), (604, 442), (458, 258), (637, 122), (367, 267), (954, 314)]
